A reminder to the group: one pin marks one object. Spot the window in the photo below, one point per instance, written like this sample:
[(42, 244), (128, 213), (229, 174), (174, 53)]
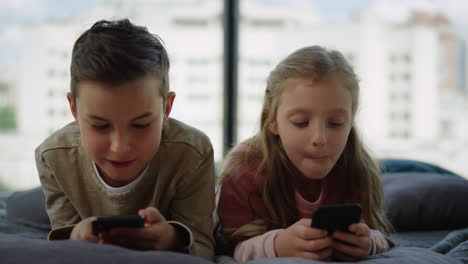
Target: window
[(407, 58), (191, 22), (407, 97), (406, 116), (446, 129), (37, 50), (400, 78), (399, 68), (407, 77)]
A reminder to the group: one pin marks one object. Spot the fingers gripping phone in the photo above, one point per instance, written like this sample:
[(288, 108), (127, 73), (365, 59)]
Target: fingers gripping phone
[(102, 224), (336, 217)]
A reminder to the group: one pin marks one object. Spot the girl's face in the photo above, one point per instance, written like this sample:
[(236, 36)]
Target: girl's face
[(313, 121), (121, 125)]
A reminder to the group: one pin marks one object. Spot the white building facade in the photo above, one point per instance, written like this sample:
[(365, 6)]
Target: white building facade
[(400, 115)]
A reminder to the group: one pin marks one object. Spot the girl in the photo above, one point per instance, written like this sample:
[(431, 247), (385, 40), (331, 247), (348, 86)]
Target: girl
[(307, 153)]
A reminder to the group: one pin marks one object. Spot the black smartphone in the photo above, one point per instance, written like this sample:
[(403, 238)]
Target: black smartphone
[(336, 217), (101, 224)]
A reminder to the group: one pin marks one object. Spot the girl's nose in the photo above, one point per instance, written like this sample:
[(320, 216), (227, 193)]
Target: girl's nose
[(318, 136)]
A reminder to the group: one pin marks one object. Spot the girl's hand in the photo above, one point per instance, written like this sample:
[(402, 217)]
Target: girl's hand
[(157, 234), (84, 231), (300, 240), (359, 240)]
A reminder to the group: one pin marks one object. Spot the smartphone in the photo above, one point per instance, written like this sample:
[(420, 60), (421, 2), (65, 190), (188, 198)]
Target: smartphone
[(336, 217), (102, 224)]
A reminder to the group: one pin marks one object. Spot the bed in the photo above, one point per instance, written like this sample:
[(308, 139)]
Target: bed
[(425, 203)]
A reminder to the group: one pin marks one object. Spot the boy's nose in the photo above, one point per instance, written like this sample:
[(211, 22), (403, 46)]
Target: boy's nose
[(119, 143)]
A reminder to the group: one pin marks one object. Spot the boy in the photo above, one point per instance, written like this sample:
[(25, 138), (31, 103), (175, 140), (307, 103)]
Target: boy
[(123, 154)]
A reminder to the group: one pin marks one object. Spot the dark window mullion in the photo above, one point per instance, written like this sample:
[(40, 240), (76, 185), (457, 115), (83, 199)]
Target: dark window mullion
[(230, 62)]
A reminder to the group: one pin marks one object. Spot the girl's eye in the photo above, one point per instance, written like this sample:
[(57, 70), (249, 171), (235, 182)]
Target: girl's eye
[(301, 124), (141, 126), (100, 127)]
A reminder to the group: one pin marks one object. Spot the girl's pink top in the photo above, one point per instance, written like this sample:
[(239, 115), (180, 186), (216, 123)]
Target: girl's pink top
[(240, 203)]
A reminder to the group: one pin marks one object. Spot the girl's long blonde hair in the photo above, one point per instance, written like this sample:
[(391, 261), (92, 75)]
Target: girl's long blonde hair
[(356, 171)]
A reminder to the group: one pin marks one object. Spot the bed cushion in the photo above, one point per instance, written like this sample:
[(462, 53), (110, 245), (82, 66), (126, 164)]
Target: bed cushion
[(14, 249), (28, 208), (398, 255), (404, 165), (416, 201)]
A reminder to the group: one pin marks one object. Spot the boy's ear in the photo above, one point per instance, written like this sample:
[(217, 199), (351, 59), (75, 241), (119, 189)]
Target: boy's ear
[(72, 106), (273, 127), (168, 106)]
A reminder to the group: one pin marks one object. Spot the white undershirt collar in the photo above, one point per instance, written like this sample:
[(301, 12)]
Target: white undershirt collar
[(122, 188)]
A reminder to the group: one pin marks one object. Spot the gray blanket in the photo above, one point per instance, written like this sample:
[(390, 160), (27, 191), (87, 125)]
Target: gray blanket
[(25, 244), (400, 255), (453, 249), (15, 249), (7, 227)]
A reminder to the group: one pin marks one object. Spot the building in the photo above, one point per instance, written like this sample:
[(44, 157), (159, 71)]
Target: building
[(409, 69), (194, 43), (396, 64), (8, 84), (406, 67), (44, 79)]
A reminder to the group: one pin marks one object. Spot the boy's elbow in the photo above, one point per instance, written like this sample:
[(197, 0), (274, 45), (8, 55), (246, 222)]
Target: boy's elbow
[(203, 251)]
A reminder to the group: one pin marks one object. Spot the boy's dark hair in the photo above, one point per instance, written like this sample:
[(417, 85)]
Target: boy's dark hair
[(116, 52)]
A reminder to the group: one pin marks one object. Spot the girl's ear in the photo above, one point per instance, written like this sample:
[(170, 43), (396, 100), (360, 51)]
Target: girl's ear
[(72, 107), (273, 127)]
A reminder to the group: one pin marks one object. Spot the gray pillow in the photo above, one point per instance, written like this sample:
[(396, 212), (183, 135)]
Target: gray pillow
[(417, 201), (405, 165), (28, 208)]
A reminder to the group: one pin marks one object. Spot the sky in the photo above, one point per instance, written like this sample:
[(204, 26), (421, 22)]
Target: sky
[(16, 13), (335, 10), (26, 11), (31, 11)]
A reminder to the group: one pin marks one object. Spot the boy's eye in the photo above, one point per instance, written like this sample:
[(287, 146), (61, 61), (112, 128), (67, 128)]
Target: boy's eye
[(141, 126), (335, 124), (100, 127)]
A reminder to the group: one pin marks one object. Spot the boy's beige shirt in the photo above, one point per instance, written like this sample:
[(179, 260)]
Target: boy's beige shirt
[(179, 183)]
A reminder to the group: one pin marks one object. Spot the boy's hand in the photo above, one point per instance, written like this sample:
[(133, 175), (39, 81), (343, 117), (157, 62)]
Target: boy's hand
[(359, 240), (157, 233), (84, 231), (300, 240)]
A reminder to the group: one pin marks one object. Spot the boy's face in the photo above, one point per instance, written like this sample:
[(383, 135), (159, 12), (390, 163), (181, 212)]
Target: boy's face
[(121, 125)]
